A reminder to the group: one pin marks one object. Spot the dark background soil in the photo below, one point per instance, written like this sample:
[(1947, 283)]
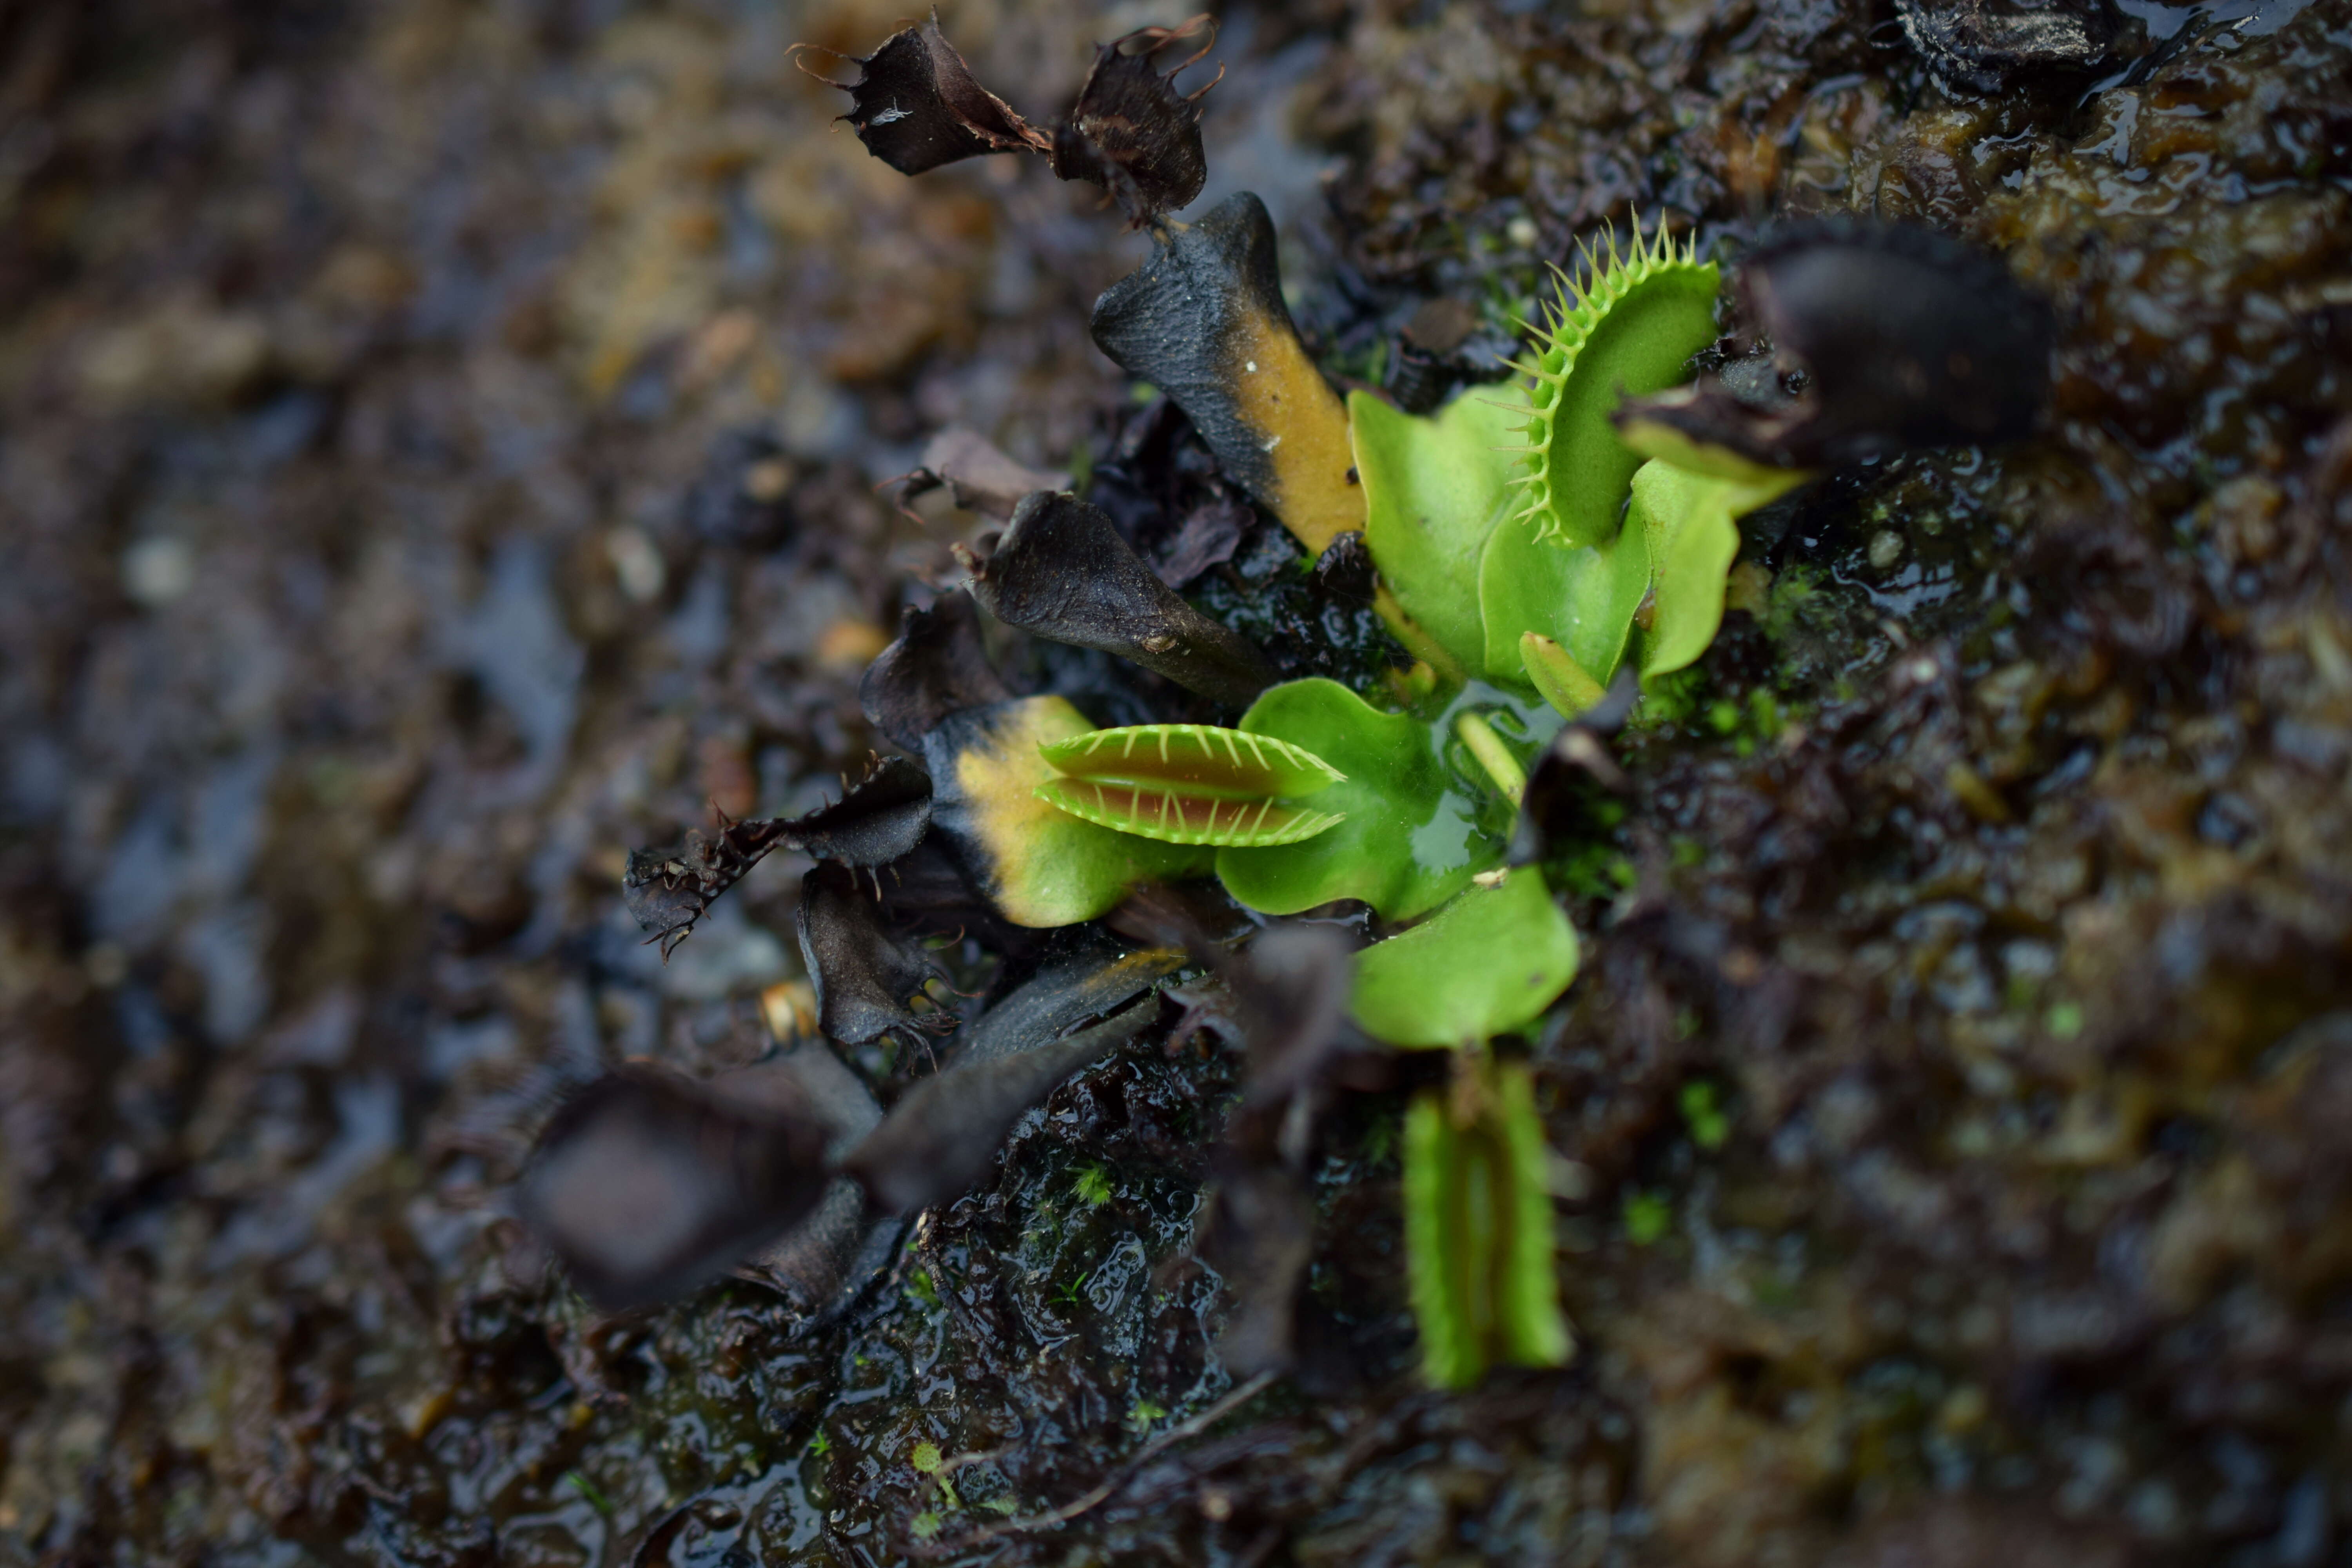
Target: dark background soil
[(437, 452)]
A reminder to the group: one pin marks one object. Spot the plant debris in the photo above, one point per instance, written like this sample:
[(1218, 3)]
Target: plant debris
[(937, 667), (865, 976), (917, 106), (1884, 337), (839, 1241), (1982, 46), (977, 475), (1132, 132), (1061, 570), (647, 1185), (938, 1139), (875, 821), (1203, 321)]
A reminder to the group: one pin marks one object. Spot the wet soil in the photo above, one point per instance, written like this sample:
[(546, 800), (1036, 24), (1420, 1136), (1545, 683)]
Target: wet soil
[(437, 452)]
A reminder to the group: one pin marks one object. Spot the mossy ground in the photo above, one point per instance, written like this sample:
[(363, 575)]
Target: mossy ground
[(357, 365)]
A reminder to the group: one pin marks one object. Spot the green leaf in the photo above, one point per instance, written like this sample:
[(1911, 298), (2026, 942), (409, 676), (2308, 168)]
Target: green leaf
[(1433, 490), (1039, 864), (1688, 519), (1488, 964), (1584, 598), (1478, 1241), (1655, 438), (1535, 1333), (1443, 1251), (1648, 1218), (1409, 839), (1710, 1129), (1191, 784)]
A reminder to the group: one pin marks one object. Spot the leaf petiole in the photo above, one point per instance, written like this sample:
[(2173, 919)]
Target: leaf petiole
[(1501, 767)]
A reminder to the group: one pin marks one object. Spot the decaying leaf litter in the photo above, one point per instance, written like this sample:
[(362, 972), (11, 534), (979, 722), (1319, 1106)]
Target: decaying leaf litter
[(2007, 936)]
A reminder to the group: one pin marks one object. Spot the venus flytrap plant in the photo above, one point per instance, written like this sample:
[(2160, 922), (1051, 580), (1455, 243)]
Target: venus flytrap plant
[(1527, 564), (1532, 558), (1530, 543)]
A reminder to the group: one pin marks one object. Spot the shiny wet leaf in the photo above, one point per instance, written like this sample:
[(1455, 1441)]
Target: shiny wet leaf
[(1486, 964)]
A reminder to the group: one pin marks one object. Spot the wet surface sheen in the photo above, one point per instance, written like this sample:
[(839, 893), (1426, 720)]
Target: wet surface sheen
[(437, 451)]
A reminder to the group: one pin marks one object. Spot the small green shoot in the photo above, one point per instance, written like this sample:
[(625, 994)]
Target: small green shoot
[(1709, 1127), (1072, 1292), (1648, 1218), (1093, 1186), (925, 1458), (1559, 678), (1508, 777), (580, 1483)]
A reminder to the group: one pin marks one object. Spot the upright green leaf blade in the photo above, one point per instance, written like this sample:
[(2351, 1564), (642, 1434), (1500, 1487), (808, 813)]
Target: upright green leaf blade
[(1488, 964), (1433, 490), (1447, 1237), (1583, 598), (1689, 518), (1534, 1330)]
